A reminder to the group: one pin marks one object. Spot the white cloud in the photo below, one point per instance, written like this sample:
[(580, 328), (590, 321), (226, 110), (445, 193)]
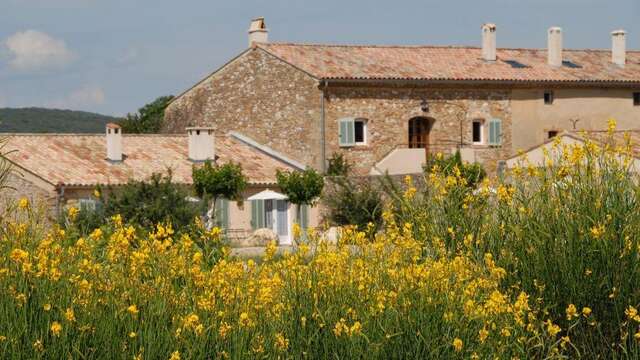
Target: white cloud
[(84, 98), (35, 50)]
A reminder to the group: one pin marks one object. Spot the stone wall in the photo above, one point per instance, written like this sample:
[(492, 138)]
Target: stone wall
[(21, 186), (261, 97), (388, 111)]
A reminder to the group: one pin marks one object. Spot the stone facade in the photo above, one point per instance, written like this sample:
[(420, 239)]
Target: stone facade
[(281, 107), (261, 97), (388, 111), (24, 185)]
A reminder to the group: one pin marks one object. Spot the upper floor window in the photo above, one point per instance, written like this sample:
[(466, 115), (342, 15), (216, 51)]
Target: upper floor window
[(551, 134), (548, 97), (477, 132), (636, 99), (353, 131)]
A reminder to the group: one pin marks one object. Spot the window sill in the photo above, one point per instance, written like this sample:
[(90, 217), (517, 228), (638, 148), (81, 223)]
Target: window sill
[(356, 147)]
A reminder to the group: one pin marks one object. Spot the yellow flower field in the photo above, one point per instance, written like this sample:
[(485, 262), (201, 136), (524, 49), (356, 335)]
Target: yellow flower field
[(543, 265)]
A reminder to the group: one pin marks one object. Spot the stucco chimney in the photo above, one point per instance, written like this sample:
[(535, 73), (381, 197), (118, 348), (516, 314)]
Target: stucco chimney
[(619, 47), (489, 42), (114, 142), (201, 143), (554, 51), (258, 32)]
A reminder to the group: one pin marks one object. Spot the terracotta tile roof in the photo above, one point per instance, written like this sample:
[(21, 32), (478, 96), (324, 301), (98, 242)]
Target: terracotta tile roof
[(351, 62), (79, 160)]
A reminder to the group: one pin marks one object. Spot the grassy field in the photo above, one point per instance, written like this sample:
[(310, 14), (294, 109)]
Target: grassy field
[(542, 265)]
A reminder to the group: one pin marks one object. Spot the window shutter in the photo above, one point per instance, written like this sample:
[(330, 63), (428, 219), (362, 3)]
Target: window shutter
[(257, 214), (347, 132), (222, 213), (495, 132)]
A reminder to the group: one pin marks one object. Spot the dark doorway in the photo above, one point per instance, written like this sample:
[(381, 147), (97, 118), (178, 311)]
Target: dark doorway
[(419, 128)]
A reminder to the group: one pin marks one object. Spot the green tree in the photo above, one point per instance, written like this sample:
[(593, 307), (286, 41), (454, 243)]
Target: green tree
[(214, 182), (148, 119), (302, 187)]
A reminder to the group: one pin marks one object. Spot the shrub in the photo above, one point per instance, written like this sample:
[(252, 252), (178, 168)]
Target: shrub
[(473, 173), (338, 165), (142, 203), (351, 202), (154, 295), (566, 234)]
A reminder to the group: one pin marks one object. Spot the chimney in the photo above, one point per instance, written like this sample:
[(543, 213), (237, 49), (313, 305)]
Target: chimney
[(201, 143), (554, 51), (258, 32), (619, 47), (489, 42), (114, 142)]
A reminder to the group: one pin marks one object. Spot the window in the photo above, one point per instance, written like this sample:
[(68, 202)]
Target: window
[(477, 136), (88, 204), (353, 132), (636, 99), (551, 134), (495, 132), (548, 97)]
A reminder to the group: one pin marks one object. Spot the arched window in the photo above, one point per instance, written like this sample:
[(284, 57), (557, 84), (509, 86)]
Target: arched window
[(419, 128)]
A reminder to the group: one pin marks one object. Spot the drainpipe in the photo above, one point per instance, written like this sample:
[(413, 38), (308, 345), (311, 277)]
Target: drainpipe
[(323, 150)]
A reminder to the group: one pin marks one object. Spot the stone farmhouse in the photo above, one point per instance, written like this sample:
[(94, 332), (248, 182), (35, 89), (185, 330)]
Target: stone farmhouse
[(386, 107), (63, 170)]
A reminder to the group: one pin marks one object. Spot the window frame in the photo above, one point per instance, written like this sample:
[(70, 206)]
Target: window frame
[(548, 97), (364, 122), (481, 123)]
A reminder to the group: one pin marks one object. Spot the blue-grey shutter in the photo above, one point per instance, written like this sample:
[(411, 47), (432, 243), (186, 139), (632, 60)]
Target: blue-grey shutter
[(282, 215), (347, 132), (495, 132), (257, 214), (222, 213)]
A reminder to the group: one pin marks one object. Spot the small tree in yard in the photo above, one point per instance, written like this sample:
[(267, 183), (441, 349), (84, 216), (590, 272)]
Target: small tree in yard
[(302, 187), (215, 182)]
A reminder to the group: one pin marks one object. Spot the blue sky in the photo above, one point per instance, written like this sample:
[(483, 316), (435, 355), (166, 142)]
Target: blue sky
[(113, 56)]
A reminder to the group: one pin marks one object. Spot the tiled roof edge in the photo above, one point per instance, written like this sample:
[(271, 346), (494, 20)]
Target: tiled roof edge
[(391, 46), (267, 150)]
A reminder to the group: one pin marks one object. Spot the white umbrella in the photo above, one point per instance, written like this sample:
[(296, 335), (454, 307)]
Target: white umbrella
[(268, 195)]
